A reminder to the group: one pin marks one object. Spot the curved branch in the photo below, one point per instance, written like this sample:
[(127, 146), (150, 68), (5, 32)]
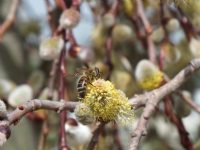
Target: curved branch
[(151, 99), (36, 104)]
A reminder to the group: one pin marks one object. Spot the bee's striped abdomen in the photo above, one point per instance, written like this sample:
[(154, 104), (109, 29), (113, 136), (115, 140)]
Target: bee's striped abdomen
[(82, 85)]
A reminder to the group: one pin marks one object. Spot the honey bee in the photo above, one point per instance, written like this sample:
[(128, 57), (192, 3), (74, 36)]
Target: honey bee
[(86, 76)]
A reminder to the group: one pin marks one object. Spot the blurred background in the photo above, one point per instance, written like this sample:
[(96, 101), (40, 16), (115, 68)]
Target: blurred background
[(20, 64)]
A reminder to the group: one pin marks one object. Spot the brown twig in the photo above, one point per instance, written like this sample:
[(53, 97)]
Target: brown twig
[(151, 99), (52, 80), (61, 91), (183, 21), (139, 31), (141, 14), (49, 16), (151, 46), (108, 52), (189, 101), (116, 137), (109, 41), (44, 132), (63, 5), (95, 136), (185, 141), (10, 18), (36, 104)]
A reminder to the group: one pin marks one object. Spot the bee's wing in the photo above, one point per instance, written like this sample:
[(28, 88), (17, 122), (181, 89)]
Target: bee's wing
[(73, 74), (83, 69)]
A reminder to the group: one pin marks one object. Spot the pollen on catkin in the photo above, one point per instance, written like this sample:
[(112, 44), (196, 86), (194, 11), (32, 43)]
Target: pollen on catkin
[(148, 75), (107, 103)]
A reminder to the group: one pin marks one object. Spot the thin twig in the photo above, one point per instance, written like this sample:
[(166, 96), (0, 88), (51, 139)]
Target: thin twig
[(141, 14), (109, 41), (10, 18), (183, 21), (95, 136), (189, 101), (63, 5), (52, 79), (61, 91), (175, 119), (151, 46), (43, 135), (139, 31), (50, 16), (116, 137)]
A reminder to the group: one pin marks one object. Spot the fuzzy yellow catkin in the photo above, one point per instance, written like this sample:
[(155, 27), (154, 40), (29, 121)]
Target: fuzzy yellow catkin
[(148, 75), (105, 103)]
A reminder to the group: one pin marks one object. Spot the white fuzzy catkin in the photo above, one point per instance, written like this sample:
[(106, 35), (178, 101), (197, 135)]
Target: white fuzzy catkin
[(20, 95), (3, 110), (50, 48), (69, 18), (6, 86)]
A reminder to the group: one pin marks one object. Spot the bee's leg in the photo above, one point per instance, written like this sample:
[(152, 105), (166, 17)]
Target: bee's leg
[(100, 74), (81, 94), (91, 84)]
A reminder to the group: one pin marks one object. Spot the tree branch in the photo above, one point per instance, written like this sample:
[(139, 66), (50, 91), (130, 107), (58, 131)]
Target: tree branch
[(43, 134), (151, 99), (36, 104), (10, 18), (151, 46), (50, 16)]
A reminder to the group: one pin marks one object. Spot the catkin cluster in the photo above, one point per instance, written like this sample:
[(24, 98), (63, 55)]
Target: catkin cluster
[(103, 102)]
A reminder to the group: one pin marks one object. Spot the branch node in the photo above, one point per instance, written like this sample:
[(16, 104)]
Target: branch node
[(193, 64), (62, 107), (21, 107), (16, 122), (144, 133), (133, 135)]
